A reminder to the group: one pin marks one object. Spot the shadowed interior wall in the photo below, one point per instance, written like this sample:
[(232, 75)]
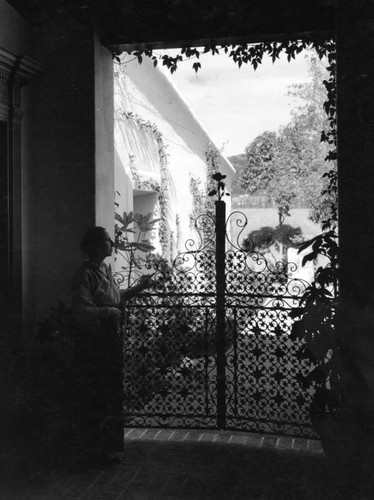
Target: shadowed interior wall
[(13, 43), (355, 107), (70, 165), (104, 137)]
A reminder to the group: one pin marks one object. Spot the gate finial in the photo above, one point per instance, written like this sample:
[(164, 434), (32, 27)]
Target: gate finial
[(220, 190)]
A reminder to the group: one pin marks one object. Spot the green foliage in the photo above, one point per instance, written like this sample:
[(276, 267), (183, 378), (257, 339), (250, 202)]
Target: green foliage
[(162, 187), (316, 116), (131, 243), (279, 239), (260, 168), (315, 323), (199, 201), (244, 53), (264, 172), (239, 162), (264, 238), (290, 164), (211, 156)]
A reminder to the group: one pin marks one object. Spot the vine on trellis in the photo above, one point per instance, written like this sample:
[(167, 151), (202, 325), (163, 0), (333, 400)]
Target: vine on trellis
[(199, 200), (134, 171), (201, 203), (211, 156), (162, 187), (179, 232)]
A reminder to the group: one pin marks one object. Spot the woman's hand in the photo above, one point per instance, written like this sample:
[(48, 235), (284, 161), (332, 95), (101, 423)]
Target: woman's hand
[(144, 282)]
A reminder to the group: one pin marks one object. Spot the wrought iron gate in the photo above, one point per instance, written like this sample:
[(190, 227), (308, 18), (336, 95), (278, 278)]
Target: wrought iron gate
[(210, 346)]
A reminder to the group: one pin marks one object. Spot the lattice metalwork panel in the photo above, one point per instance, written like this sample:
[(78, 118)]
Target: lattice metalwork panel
[(263, 365), (176, 351), (170, 335), (169, 366), (263, 369)]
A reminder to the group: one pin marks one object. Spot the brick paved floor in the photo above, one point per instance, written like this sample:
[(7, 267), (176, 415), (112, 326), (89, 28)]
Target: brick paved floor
[(174, 464)]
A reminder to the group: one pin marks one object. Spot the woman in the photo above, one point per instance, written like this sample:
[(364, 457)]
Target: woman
[(97, 304)]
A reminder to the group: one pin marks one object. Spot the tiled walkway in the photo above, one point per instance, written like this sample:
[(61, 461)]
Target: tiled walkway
[(173, 464), (224, 438)]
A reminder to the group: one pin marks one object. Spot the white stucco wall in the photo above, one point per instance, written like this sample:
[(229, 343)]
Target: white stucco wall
[(146, 92)]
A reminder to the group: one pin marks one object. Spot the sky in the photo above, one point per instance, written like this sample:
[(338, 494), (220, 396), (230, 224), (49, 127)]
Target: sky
[(236, 104)]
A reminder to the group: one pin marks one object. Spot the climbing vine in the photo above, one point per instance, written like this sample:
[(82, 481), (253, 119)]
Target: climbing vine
[(134, 171), (179, 233), (162, 187), (201, 203), (199, 200), (212, 161)]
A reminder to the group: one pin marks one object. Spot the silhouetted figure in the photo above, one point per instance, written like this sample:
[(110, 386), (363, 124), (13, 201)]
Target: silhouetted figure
[(97, 305)]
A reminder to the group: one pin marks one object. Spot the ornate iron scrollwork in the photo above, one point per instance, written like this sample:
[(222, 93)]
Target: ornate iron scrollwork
[(171, 360)]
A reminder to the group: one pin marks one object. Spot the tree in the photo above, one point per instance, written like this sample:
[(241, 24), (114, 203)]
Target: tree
[(315, 123), (238, 162), (290, 164), (269, 239), (266, 170)]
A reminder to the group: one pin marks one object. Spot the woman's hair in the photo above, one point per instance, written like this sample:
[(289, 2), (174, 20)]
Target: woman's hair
[(92, 239)]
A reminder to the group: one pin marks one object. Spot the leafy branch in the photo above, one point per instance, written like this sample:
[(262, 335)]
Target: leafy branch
[(315, 323), (136, 251)]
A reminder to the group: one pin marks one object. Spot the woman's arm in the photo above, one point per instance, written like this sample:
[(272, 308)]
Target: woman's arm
[(144, 282), (83, 304)]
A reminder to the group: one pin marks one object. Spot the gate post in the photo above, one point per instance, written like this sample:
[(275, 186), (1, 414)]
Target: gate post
[(220, 311)]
